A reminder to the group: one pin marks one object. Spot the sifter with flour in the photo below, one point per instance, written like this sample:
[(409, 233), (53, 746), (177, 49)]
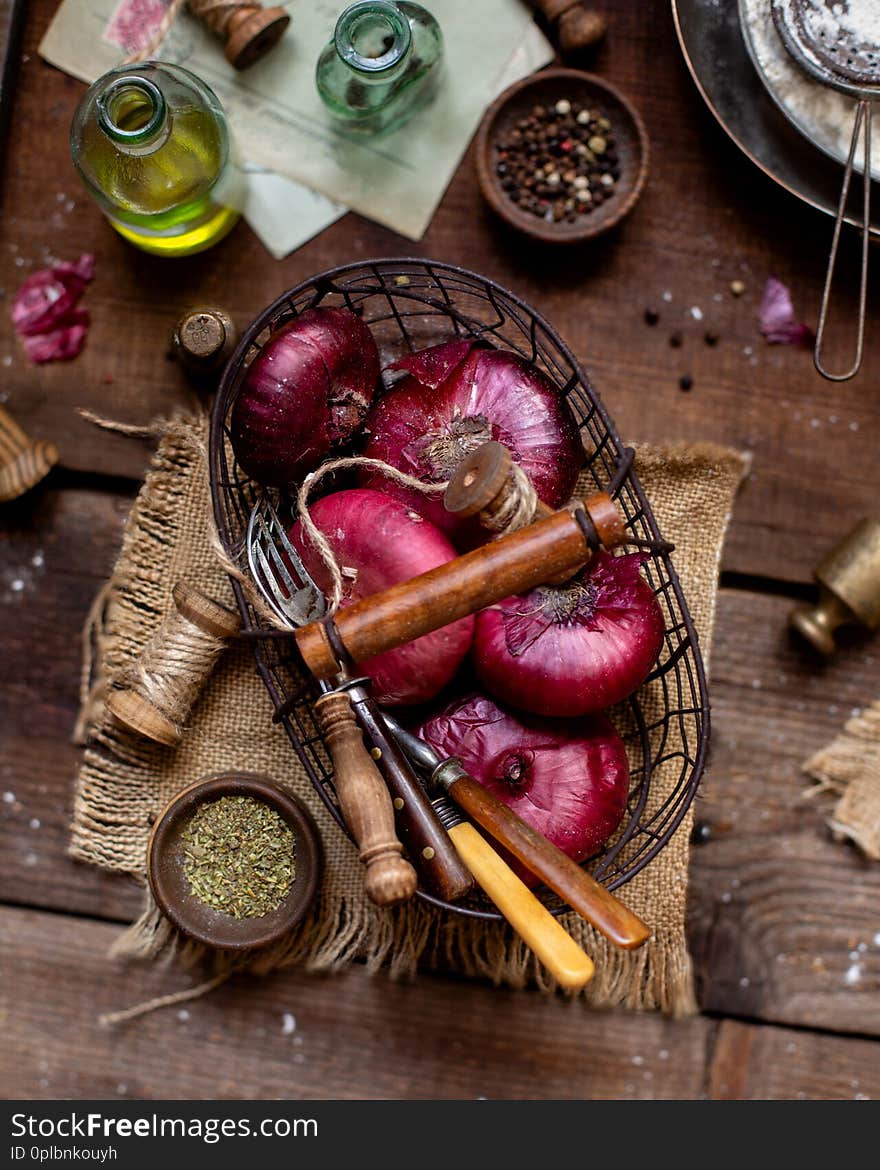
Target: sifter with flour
[(837, 43)]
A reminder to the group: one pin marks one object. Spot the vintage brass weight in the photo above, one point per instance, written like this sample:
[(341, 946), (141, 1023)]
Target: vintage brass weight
[(849, 589)]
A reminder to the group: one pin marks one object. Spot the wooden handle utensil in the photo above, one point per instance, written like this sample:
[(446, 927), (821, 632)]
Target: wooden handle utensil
[(564, 876), (423, 836), (572, 883), (365, 803), (566, 961), (512, 564)]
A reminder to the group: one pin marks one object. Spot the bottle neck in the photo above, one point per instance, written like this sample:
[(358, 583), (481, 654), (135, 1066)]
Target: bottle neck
[(132, 112), (374, 40)]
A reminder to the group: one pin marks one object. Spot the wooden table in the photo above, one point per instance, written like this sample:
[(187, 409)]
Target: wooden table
[(784, 923)]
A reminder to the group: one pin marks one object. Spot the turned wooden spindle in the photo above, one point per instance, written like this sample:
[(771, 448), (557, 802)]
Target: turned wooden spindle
[(512, 564), (248, 30), (365, 803), (23, 461), (575, 26)]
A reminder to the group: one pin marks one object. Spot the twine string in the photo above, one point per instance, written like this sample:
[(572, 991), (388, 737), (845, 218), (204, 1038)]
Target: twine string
[(314, 535), (173, 666), (518, 508)]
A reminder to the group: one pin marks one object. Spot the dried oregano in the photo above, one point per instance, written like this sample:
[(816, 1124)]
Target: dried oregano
[(239, 856)]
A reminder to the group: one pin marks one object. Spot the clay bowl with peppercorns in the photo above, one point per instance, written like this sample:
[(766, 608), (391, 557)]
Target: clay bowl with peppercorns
[(562, 156)]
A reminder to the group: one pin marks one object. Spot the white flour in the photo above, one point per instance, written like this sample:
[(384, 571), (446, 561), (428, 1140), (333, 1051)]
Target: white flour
[(820, 113)]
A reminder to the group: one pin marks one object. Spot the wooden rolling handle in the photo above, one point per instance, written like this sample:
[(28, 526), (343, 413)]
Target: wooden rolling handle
[(366, 804), (507, 566), (572, 883), (569, 965)]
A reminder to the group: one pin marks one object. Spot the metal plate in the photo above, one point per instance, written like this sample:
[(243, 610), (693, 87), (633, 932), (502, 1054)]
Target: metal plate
[(712, 44)]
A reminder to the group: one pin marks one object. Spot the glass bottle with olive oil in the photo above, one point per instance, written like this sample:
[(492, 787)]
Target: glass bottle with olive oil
[(151, 144)]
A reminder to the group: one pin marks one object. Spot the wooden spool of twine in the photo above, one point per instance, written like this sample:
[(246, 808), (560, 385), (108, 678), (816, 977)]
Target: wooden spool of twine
[(249, 30), (167, 678)]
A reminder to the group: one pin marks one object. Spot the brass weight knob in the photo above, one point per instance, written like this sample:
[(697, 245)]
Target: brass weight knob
[(849, 589)]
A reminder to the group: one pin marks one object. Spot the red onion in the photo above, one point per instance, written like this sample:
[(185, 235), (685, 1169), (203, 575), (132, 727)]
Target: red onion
[(458, 396), (384, 542), (568, 779), (306, 393), (574, 649), (776, 317)]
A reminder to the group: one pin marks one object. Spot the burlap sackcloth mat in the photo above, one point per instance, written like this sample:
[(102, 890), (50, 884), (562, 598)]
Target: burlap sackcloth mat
[(849, 767), (124, 782)]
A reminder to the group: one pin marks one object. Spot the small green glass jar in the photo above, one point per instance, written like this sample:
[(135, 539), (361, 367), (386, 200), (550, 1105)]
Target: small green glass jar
[(381, 66), (151, 144)]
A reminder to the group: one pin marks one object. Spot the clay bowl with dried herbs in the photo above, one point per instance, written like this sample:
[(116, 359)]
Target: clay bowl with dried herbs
[(234, 861), (562, 156)]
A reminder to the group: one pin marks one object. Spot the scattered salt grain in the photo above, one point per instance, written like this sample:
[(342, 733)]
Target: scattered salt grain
[(35, 822), (667, 296), (122, 1088), (745, 981), (16, 585), (861, 1097), (288, 1024), (638, 1060), (696, 313), (31, 859), (663, 1054), (299, 1058), (38, 559), (876, 939), (183, 1015), (7, 361), (853, 426), (9, 798), (791, 1046), (853, 974)]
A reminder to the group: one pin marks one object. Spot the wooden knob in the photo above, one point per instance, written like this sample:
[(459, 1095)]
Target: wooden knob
[(203, 339), (23, 462), (365, 803), (580, 28), (251, 33), (204, 612), (142, 717)]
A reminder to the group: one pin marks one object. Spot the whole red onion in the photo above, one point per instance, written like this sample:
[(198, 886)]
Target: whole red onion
[(459, 395), (378, 542), (572, 649), (306, 393), (568, 779)]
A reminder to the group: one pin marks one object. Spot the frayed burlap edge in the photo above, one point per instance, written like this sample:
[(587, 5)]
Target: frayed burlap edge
[(849, 767), (123, 783)]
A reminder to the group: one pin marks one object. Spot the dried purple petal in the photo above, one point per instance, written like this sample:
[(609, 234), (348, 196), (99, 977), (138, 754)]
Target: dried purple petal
[(776, 317)]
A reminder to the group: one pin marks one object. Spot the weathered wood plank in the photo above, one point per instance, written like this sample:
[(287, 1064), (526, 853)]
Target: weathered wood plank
[(783, 920), (771, 1064), (310, 1037), (706, 217)]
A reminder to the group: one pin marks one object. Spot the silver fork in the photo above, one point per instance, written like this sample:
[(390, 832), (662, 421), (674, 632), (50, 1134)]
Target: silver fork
[(291, 592), (271, 557)]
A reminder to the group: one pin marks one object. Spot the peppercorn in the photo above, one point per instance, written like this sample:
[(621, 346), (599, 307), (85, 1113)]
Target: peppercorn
[(546, 165), (711, 338), (675, 340), (651, 316), (685, 382)]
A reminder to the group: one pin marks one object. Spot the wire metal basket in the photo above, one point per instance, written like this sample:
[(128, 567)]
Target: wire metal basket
[(409, 304)]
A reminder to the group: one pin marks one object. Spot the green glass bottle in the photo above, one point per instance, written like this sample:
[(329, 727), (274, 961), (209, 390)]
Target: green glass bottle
[(381, 66), (151, 144)]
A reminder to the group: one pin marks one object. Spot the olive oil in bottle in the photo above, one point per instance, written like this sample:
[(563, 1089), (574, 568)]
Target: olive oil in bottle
[(151, 144)]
